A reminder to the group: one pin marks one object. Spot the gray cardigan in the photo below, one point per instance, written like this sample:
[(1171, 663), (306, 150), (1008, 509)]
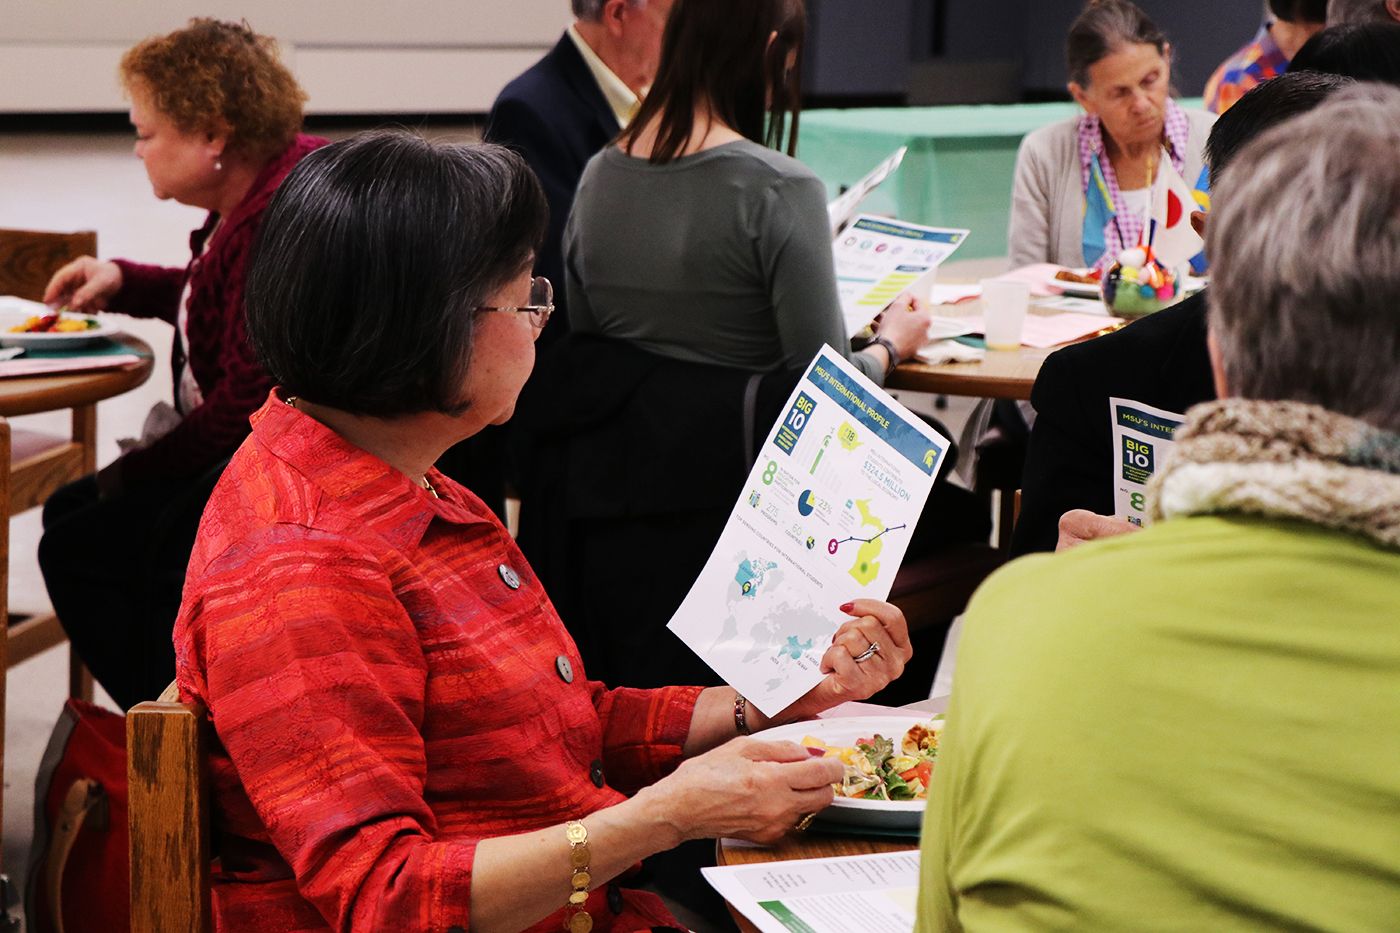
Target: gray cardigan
[(1047, 201)]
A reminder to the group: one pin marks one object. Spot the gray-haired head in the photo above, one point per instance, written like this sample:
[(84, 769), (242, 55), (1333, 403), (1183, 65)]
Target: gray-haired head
[(1104, 27), (1305, 260), (1341, 12), (590, 11)]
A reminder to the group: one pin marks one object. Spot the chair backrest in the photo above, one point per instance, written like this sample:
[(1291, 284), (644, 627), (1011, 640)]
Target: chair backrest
[(168, 807), (29, 258)]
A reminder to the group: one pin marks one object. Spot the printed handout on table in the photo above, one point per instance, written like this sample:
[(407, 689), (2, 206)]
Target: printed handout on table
[(878, 259), (1142, 437), (854, 894), (824, 517)]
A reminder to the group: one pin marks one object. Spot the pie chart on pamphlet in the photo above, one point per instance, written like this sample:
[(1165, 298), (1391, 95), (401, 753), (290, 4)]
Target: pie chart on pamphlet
[(806, 503)]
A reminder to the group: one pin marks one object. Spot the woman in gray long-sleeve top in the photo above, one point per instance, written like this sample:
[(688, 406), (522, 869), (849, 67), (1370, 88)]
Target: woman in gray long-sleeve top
[(693, 237)]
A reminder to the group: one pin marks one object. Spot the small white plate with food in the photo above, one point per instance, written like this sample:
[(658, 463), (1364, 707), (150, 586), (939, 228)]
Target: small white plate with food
[(889, 763), (35, 326), (1078, 283)]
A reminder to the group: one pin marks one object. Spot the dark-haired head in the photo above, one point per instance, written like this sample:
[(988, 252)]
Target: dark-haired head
[(372, 258), (742, 58), (1264, 107), (1366, 52), (1299, 12)]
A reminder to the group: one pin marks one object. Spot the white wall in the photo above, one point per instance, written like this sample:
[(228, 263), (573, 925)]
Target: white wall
[(352, 56)]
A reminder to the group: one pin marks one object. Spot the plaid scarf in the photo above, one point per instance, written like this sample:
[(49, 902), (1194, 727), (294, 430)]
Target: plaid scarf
[(1108, 229)]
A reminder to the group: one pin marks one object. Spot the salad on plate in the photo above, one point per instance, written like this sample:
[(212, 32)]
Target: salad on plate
[(877, 769)]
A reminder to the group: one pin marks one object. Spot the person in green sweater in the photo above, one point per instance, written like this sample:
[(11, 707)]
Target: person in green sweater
[(1192, 727)]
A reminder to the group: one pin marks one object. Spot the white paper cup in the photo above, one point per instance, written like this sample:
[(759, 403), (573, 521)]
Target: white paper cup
[(1004, 305)]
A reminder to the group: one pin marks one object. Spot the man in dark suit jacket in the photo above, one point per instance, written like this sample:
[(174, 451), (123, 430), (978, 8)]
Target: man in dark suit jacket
[(558, 114), (1159, 361), (572, 103)]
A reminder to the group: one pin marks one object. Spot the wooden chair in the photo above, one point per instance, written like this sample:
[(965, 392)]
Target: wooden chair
[(168, 816), (39, 464)]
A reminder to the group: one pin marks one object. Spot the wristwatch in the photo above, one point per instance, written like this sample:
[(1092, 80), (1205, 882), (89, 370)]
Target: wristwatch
[(889, 348)]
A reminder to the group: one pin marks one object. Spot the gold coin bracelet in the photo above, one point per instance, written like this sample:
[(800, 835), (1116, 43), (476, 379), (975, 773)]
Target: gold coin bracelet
[(576, 919)]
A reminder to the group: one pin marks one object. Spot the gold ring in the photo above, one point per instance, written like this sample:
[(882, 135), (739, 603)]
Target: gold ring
[(804, 821)]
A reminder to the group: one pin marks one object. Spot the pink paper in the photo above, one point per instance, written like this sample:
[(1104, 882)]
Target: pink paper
[(1050, 330), (1038, 276), (73, 364)]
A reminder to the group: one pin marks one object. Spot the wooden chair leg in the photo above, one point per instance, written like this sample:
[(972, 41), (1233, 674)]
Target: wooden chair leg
[(168, 817), (85, 433), (79, 677), (1008, 505), (4, 594)]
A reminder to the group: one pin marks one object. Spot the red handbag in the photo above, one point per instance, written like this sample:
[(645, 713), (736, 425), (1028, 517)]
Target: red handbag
[(79, 868)]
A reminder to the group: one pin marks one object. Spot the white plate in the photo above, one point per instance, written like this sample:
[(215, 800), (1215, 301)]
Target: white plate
[(849, 811), (1076, 289), (15, 311)]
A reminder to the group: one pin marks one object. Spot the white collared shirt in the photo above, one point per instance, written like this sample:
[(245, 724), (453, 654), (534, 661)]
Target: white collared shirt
[(621, 100)]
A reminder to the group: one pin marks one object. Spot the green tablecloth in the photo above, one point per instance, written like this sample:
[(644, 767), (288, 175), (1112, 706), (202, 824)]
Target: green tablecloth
[(958, 171)]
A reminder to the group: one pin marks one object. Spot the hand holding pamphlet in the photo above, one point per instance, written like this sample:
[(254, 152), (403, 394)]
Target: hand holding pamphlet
[(824, 518), (877, 260)]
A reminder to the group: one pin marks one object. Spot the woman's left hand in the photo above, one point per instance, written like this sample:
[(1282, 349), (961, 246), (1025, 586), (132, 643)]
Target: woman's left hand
[(878, 625)]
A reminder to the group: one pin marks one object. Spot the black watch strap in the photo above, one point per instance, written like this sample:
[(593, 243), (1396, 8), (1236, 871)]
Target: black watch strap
[(889, 348)]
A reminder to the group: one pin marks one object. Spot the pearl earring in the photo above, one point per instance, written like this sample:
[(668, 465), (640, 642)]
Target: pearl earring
[(218, 165)]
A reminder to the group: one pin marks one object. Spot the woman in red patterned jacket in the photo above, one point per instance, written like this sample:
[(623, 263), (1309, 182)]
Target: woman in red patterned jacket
[(217, 121), (407, 740)]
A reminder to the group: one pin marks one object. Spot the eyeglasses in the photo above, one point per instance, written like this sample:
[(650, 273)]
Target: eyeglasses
[(541, 304)]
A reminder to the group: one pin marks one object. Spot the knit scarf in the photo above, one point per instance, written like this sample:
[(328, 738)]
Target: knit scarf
[(1283, 460)]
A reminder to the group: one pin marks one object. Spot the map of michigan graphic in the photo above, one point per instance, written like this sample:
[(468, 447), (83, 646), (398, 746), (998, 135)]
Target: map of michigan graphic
[(867, 566)]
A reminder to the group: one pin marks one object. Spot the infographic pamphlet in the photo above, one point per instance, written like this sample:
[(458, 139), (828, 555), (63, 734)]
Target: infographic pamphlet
[(869, 893), (877, 259), (1142, 436), (824, 517), (843, 207)]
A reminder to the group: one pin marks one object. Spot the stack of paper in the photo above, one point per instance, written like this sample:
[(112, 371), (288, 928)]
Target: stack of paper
[(870, 893)]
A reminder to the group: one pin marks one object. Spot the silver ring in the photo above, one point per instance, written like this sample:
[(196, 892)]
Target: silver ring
[(868, 653)]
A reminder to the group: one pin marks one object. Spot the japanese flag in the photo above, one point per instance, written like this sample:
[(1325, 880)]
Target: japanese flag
[(1176, 243)]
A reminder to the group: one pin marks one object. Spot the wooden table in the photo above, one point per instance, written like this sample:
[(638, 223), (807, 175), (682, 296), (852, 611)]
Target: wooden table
[(29, 471), (1000, 374), (34, 394), (806, 845), (1005, 374)]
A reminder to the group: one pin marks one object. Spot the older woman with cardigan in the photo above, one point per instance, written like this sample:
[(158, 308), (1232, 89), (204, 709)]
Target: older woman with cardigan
[(217, 120), (407, 739), (1216, 695), (1083, 185)]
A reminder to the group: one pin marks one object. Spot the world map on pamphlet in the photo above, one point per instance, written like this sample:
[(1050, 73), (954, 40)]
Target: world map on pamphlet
[(780, 627)]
